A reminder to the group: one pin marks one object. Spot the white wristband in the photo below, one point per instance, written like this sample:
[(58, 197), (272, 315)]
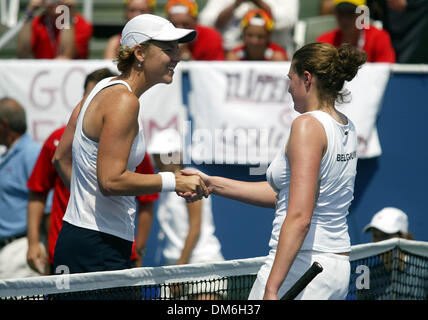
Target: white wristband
[(168, 181)]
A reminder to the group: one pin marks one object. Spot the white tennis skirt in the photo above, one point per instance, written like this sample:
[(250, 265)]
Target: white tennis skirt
[(331, 284)]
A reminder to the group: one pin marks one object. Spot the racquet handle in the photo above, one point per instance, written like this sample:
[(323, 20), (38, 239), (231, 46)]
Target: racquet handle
[(304, 280)]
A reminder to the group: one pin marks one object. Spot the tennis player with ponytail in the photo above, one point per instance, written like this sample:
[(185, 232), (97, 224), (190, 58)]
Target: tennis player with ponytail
[(310, 182), (102, 145)]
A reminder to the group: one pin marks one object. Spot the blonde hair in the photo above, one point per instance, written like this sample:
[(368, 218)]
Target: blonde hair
[(125, 57), (332, 66)]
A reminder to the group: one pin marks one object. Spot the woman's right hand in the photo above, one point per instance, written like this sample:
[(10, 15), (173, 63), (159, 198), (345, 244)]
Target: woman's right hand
[(192, 186), (36, 258), (205, 180)]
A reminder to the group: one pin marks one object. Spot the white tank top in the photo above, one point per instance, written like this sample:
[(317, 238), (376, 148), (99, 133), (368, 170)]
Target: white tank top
[(88, 207), (328, 231), (173, 220)]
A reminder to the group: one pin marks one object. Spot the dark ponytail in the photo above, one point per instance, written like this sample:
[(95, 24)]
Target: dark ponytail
[(349, 61), (331, 66)]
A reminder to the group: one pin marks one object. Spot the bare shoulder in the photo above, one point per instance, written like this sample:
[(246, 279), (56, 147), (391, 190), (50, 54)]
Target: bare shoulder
[(114, 39), (306, 124), (118, 99), (308, 132)]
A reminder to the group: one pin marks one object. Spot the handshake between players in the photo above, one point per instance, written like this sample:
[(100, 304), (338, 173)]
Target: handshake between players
[(198, 189)]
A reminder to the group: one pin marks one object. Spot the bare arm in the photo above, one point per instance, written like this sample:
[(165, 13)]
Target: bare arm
[(111, 49), (116, 135), (195, 216), (145, 219), (263, 5), (226, 14), (67, 43), (305, 149), (24, 49), (62, 160), (256, 193), (36, 257), (119, 126)]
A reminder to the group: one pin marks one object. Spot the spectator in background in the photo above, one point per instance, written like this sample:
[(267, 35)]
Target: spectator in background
[(226, 15), (133, 8), (389, 223), (44, 178), (394, 274), (257, 26), (15, 169), (327, 7), (208, 42), (50, 35), (188, 227), (404, 20), (375, 42), (407, 23)]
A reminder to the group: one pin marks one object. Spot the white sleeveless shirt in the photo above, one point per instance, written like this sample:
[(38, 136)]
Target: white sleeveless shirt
[(328, 231), (88, 207)]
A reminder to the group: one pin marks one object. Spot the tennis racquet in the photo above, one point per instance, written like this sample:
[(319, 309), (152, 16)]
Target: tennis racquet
[(304, 280)]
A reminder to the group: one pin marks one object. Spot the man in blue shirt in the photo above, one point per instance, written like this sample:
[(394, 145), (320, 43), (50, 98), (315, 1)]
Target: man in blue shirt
[(16, 165)]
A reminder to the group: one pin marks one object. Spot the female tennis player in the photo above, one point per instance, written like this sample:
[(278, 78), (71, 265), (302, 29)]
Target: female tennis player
[(310, 182), (103, 143)]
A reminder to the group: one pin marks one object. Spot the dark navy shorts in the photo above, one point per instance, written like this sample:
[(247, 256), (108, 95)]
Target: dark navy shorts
[(83, 250)]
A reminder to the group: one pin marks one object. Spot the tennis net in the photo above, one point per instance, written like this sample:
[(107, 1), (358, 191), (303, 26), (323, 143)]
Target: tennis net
[(395, 269), (226, 280), (392, 269)]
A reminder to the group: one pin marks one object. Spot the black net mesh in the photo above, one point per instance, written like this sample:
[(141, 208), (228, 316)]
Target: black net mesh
[(225, 288), (392, 275)]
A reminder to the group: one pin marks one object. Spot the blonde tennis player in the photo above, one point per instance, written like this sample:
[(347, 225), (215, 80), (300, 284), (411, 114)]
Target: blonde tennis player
[(102, 145), (310, 182)]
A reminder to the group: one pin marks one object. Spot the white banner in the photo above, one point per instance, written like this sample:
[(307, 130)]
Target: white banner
[(242, 111), (50, 89)]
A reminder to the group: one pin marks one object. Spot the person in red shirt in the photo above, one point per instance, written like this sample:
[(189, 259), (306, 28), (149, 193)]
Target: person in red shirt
[(375, 42), (58, 33), (133, 8), (257, 26), (208, 44), (44, 178)]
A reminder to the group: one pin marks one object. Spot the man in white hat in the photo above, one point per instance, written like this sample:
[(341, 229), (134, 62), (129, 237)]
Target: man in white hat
[(394, 274), (389, 223)]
